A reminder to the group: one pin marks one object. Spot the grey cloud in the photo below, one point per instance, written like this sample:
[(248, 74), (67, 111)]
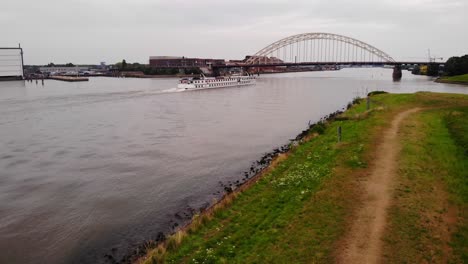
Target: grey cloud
[(90, 31)]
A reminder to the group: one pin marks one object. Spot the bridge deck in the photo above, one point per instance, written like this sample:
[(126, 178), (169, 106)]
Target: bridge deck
[(322, 63)]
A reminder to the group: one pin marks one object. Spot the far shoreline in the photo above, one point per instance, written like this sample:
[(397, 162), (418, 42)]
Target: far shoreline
[(456, 79), (441, 80)]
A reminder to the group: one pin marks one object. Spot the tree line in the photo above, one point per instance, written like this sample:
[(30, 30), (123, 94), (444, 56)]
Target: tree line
[(454, 66), (51, 64)]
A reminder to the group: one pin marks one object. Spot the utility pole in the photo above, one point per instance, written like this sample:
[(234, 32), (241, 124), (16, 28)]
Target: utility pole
[(433, 59)]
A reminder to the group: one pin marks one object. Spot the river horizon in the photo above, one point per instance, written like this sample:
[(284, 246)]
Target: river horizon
[(94, 169)]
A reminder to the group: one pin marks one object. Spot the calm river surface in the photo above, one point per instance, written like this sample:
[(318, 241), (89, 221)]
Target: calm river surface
[(95, 168)]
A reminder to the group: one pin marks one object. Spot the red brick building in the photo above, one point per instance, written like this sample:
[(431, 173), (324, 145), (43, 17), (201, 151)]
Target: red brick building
[(182, 62)]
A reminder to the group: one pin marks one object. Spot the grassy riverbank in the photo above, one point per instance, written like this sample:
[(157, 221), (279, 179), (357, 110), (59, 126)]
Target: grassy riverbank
[(428, 221), (301, 207), (458, 79)]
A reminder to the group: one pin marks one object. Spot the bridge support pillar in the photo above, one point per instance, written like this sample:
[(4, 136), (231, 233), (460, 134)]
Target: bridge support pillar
[(397, 72)]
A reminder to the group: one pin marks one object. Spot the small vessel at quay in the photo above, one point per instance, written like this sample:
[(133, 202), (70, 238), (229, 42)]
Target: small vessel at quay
[(204, 82)]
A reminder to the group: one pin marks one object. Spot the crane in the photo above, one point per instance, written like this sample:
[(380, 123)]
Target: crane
[(432, 59)]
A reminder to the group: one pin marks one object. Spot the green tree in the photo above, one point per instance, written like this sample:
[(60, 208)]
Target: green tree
[(456, 65), (192, 71), (124, 65), (464, 64), (453, 66), (69, 64)]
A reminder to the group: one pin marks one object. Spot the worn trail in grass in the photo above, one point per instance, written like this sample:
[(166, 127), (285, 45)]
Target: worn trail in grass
[(363, 243), (428, 218)]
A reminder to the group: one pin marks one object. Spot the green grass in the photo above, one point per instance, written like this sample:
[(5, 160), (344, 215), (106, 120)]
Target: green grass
[(271, 222), (296, 212), (457, 124), (432, 183), (458, 78)]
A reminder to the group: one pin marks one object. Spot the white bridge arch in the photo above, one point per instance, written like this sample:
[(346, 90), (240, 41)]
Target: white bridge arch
[(318, 47)]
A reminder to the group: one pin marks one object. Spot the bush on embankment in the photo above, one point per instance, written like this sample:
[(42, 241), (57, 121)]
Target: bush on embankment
[(376, 93)]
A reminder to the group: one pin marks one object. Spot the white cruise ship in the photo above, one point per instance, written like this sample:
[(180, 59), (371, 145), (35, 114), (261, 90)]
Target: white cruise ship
[(204, 82)]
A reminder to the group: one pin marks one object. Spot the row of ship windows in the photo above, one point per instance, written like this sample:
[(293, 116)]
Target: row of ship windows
[(215, 84), (218, 81)]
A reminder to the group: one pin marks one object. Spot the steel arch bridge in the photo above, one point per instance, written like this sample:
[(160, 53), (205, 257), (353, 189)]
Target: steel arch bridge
[(319, 48)]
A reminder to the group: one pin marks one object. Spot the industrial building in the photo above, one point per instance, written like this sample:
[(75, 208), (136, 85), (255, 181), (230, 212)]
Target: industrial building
[(11, 63), (182, 62)]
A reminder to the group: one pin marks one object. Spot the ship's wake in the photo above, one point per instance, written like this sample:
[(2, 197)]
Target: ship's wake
[(173, 90)]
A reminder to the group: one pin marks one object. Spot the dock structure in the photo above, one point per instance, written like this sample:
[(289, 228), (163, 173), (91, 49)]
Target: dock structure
[(69, 78)]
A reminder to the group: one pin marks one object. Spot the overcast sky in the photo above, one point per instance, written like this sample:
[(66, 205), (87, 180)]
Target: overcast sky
[(90, 31)]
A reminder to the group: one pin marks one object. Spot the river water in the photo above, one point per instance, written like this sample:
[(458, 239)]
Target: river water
[(95, 168)]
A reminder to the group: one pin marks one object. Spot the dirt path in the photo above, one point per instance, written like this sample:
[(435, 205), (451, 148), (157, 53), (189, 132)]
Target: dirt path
[(363, 243)]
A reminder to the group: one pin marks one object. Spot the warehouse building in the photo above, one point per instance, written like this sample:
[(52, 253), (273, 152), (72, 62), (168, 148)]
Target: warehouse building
[(182, 62), (11, 63)]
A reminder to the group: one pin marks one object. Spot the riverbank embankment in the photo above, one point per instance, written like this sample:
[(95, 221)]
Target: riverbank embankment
[(306, 205), (459, 79)]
